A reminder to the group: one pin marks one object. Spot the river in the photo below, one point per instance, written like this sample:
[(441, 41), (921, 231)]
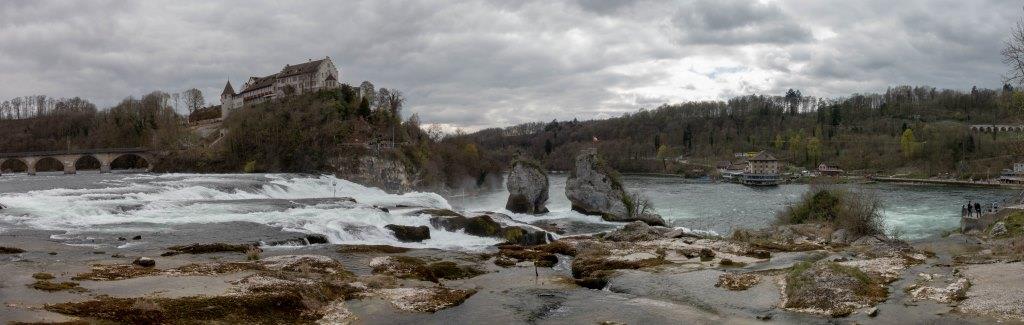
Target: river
[(91, 204)]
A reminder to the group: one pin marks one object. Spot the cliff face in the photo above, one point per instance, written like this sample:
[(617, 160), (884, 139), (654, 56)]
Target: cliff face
[(383, 171)]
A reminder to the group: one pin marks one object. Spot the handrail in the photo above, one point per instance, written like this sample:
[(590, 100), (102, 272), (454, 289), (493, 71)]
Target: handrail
[(71, 152)]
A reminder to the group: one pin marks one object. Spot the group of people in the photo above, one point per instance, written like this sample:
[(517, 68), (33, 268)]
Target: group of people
[(973, 209)]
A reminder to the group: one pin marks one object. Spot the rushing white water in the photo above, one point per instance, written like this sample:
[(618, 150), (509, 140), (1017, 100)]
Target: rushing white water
[(278, 200), (122, 203)]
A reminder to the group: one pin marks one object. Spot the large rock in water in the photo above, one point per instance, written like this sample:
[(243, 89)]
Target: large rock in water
[(527, 188), (410, 233), (485, 226), (594, 188)]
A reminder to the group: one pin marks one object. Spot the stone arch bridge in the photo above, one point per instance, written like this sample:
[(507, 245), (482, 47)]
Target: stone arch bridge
[(68, 159)]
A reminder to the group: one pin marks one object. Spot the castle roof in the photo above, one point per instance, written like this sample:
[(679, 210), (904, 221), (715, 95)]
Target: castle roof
[(302, 68), (261, 82), (331, 78), (228, 90)]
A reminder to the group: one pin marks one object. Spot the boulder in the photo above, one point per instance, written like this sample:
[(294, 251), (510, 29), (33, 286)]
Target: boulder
[(938, 288), (594, 188), (840, 236), (527, 188), (408, 267), (635, 231), (998, 230), (737, 281), (485, 226), (706, 254), (410, 233), (144, 262), (427, 300), (829, 288)]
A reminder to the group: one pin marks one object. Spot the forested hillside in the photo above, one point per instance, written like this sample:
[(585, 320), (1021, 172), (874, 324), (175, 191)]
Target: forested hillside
[(307, 133), (40, 123), (917, 130)]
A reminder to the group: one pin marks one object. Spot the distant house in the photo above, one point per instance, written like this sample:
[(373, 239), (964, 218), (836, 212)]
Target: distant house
[(762, 170), (829, 170), (291, 80), (731, 170), (1013, 176)]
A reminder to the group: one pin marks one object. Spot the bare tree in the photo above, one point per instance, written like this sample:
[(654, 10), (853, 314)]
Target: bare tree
[(366, 91), (194, 100), (1013, 54), (395, 101), (176, 98), (382, 103)]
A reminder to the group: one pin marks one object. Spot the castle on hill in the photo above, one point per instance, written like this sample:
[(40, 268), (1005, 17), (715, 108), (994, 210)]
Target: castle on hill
[(291, 80)]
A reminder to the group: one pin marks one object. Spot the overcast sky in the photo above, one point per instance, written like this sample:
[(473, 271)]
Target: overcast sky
[(477, 64)]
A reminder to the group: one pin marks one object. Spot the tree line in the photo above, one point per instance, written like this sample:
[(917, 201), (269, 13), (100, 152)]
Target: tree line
[(920, 130), (75, 123)]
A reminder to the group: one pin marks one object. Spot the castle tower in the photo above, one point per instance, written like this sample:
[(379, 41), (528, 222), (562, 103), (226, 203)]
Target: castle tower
[(227, 100)]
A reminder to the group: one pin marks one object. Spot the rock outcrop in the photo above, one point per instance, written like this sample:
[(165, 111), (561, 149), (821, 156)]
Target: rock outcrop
[(527, 187), (486, 226), (410, 233), (384, 171), (636, 231), (998, 230), (594, 188), (831, 289)]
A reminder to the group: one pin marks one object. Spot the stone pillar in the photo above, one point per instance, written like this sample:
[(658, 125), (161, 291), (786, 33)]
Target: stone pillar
[(105, 160), (149, 161), (30, 165), (69, 163)]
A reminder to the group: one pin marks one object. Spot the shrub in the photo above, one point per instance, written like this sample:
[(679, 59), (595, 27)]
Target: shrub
[(859, 214)]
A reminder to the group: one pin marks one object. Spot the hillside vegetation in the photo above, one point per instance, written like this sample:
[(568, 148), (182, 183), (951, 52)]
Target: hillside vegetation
[(917, 130)]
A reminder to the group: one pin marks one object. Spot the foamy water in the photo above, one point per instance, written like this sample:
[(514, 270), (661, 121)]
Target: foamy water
[(160, 201), (145, 202)]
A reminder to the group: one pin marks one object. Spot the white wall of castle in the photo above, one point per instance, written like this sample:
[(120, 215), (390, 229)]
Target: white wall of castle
[(302, 83)]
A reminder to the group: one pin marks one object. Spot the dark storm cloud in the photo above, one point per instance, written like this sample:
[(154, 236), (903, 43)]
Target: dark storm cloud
[(488, 62)]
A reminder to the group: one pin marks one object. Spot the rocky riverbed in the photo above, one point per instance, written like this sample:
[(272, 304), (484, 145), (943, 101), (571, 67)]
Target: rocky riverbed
[(635, 274)]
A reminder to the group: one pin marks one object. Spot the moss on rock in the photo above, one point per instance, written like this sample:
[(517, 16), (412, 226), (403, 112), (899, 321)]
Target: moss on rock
[(46, 285), (830, 288)]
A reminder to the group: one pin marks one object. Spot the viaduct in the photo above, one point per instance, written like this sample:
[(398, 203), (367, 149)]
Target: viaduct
[(996, 128), (69, 158)]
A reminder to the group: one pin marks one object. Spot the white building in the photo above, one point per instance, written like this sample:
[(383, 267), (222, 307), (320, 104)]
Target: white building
[(291, 80), (762, 170), (1013, 176)]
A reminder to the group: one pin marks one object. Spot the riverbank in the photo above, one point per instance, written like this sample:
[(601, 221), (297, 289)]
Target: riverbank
[(327, 249), (949, 182), (648, 276)]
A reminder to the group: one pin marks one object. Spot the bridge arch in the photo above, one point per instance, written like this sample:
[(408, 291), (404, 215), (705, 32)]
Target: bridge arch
[(88, 162), (130, 161), (46, 164), (13, 165)]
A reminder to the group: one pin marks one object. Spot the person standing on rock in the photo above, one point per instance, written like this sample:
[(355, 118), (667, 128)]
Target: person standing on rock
[(963, 211), (977, 209)]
